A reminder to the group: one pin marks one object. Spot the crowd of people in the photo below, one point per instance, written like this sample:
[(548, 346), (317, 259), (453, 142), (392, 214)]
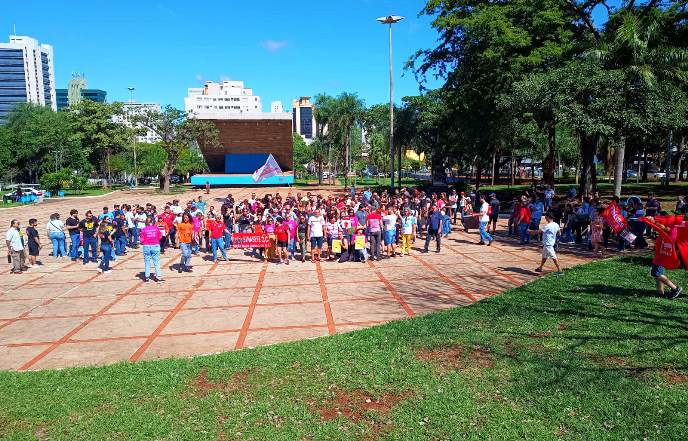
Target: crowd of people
[(356, 226)]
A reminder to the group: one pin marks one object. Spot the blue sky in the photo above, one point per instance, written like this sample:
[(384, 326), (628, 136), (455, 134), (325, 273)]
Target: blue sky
[(282, 50)]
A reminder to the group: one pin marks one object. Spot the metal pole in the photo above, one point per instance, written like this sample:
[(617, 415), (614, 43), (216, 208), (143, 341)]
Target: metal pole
[(391, 114)]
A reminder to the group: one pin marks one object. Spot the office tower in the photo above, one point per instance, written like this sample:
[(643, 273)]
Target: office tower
[(27, 74), (303, 119)]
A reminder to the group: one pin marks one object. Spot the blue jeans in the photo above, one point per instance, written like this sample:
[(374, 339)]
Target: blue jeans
[(227, 240), (151, 253), (106, 248), (134, 237), (76, 242), (292, 247), (484, 235), (186, 254), (92, 243), (523, 231), (216, 244), (120, 245), (58, 240)]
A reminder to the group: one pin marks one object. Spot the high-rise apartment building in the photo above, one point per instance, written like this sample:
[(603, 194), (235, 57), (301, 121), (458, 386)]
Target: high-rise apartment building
[(276, 107), (303, 119), (27, 74), (218, 100)]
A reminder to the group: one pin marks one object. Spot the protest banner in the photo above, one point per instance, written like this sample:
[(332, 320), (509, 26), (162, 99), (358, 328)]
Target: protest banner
[(250, 240), (336, 246), (614, 217), (360, 242)]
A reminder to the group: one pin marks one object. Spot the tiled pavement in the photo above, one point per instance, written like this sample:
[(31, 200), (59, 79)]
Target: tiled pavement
[(66, 314)]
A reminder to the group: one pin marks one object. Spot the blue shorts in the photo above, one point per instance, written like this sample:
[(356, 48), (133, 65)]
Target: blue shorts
[(390, 237), (657, 270), (316, 242)]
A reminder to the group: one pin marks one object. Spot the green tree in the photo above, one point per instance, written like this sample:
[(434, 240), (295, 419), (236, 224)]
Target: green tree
[(178, 135), (100, 132), (303, 153)]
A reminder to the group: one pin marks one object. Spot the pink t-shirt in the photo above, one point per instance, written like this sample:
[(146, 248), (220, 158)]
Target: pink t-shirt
[(292, 227), (150, 235), (196, 224)]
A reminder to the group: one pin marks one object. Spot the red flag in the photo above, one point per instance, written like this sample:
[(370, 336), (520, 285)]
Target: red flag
[(614, 218), (665, 245)]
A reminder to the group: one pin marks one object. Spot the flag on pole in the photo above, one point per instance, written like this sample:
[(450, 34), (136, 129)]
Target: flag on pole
[(269, 169)]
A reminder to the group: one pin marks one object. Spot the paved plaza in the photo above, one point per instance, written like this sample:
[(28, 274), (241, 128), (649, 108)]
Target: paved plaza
[(65, 314)]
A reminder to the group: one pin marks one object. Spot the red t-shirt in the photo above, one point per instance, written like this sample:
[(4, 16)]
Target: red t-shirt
[(525, 215), (217, 229), (282, 233)]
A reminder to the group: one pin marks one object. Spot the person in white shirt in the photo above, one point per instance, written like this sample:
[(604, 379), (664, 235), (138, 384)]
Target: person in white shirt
[(389, 221), (484, 219), (316, 226), (408, 231), (15, 247), (549, 238), (131, 225), (56, 234)]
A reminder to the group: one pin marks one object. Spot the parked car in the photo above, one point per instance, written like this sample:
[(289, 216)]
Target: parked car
[(630, 173), (28, 194)]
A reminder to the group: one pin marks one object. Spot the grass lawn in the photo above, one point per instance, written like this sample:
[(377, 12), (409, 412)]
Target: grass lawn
[(592, 355)]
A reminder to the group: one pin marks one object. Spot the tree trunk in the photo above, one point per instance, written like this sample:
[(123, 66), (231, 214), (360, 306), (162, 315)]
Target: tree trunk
[(438, 176), (512, 170), (645, 167), (161, 181), (494, 163), (588, 147), (680, 158), (619, 166), (478, 176), (550, 160)]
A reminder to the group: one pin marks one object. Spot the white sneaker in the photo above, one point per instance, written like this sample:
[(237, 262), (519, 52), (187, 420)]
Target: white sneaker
[(100, 270)]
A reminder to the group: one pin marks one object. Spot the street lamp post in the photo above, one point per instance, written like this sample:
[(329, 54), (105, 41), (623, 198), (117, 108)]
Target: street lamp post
[(390, 20), (136, 175)]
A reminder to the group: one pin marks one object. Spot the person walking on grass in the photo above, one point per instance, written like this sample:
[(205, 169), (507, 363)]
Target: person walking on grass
[(549, 239), (150, 237), (33, 241), (106, 243), (15, 247), (184, 242)]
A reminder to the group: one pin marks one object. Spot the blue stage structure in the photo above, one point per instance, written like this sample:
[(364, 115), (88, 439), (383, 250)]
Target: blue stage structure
[(241, 180)]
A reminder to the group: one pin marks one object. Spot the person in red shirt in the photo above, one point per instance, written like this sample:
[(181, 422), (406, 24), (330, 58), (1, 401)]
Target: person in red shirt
[(665, 254), (282, 235), (524, 218), (217, 230)]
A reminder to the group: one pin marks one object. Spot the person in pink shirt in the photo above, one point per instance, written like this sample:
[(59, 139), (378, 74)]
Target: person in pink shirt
[(292, 224), (150, 239)]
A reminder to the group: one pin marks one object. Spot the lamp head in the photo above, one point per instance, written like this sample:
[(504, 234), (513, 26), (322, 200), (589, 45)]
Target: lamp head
[(390, 19)]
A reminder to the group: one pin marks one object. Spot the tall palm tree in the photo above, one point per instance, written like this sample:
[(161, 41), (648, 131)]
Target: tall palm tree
[(349, 111), (324, 110), (635, 41)]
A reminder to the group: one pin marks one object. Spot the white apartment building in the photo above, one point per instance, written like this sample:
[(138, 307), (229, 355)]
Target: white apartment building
[(27, 74), (226, 99), (132, 108), (276, 107)]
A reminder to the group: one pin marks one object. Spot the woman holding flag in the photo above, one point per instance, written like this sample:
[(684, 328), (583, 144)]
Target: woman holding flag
[(666, 257)]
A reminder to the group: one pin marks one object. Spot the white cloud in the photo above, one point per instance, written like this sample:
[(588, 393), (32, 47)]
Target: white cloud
[(274, 45), (200, 77)]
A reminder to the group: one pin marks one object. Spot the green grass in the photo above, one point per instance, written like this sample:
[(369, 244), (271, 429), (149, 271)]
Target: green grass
[(592, 355)]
